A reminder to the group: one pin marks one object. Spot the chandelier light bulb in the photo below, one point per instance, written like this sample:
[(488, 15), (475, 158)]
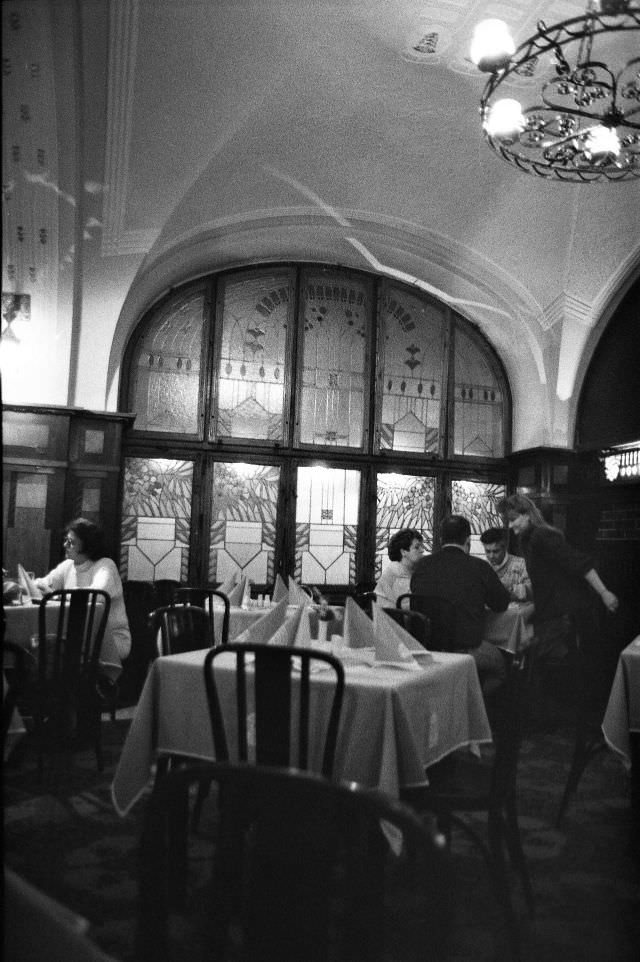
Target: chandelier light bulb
[(505, 119), (602, 141), (492, 46)]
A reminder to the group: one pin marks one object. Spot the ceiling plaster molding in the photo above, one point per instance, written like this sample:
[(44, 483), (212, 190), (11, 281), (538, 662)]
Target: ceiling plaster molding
[(123, 41), (566, 307)]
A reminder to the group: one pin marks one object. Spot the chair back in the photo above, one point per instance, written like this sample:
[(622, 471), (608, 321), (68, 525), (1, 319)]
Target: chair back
[(441, 615), (365, 600), (180, 629), (268, 681), (204, 598), (139, 601), (303, 868), (412, 621), (164, 590)]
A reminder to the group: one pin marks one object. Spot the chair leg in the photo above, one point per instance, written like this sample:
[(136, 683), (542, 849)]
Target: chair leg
[(586, 745), (497, 833), (516, 852)]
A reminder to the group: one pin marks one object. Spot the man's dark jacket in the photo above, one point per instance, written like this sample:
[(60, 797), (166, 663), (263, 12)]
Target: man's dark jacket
[(469, 583)]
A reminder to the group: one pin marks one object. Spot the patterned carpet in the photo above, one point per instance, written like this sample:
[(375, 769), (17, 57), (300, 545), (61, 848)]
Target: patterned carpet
[(70, 843)]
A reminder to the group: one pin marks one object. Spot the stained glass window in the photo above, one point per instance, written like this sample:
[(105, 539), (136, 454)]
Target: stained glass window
[(251, 365), (326, 525), (477, 501), (413, 355), (336, 332), (156, 517), (403, 501), (244, 499), (479, 414), (167, 368)]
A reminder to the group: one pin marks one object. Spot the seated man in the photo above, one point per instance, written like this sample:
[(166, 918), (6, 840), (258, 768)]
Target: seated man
[(470, 585), (510, 569), (405, 550)]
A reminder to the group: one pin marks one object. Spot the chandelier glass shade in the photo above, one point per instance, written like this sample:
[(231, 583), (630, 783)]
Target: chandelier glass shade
[(582, 121)]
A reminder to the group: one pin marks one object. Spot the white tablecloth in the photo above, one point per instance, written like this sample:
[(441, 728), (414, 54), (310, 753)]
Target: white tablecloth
[(242, 618), (623, 709), (510, 629), (394, 722)]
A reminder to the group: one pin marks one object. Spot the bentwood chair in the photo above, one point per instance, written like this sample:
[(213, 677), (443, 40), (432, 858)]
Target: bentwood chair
[(68, 701), (471, 785), (441, 615), (267, 680), (207, 598), (298, 869), (412, 621), (180, 629), (139, 600), (164, 590)]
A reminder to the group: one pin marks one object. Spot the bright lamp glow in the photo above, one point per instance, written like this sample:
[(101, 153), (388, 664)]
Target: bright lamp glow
[(602, 141), (492, 45), (504, 119)]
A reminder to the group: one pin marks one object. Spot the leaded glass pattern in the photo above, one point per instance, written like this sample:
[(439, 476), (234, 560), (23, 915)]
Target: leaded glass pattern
[(478, 402), (477, 501), (156, 516), (244, 500), (412, 353), (402, 501), (336, 332), (166, 368), (326, 525), (251, 365)]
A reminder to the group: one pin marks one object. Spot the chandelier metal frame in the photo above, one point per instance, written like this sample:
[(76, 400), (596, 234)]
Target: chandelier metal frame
[(553, 142)]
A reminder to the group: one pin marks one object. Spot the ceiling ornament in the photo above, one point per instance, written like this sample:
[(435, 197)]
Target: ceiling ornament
[(582, 121)]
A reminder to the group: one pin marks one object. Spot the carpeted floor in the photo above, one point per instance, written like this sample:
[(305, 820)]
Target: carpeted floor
[(70, 843)]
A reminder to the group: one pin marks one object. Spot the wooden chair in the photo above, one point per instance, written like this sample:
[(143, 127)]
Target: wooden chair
[(412, 621), (139, 600), (299, 869), (68, 701), (164, 589), (180, 629), (475, 785), (441, 615), (272, 669), (204, 598)]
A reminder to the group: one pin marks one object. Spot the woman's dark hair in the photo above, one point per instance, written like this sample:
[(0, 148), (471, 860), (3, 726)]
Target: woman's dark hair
[(90, 535), (402, 540), (519, 504)]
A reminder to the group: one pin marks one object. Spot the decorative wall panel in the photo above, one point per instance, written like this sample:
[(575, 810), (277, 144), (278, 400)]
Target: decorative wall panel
[(402, 501), (326, 525)]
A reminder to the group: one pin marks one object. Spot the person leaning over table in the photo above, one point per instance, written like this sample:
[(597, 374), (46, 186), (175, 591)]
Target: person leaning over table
[(85, 566), (510, 569), (405, 550), (471, 585)]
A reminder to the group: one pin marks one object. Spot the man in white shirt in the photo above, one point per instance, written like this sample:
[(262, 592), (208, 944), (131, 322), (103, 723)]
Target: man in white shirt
[(510, 569)]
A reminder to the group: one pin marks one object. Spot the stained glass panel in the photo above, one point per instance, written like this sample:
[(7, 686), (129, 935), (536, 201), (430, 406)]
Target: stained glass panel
[(156, 515), (479, 404), (326, 525), (244, 500), (166, 368), (412, 352), (403, 501), (477, 501), (251, 368), (337, 330)]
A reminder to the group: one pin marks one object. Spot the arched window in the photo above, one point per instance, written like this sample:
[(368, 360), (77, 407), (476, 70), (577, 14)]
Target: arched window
[(292, 418)]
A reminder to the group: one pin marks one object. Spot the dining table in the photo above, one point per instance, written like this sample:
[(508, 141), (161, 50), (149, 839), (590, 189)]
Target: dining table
[(622, 716), (21, 625), (511, 629), (394, 723)]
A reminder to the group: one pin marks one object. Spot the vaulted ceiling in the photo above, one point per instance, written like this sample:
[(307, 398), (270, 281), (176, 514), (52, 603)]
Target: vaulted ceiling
[(155, 140)]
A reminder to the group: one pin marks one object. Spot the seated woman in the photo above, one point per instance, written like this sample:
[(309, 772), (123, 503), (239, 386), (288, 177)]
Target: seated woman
[(85, 566), (405, 550)]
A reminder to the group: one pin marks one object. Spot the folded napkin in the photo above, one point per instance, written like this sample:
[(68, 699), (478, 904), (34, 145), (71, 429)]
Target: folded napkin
[(287, 633), (393, 643), (236, 594), (228, 584), (279, 589), (263, 630), (358, 631), (297, 595)]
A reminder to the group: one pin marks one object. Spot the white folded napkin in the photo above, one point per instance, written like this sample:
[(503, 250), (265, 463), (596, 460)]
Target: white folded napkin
[(358, 631), (263, 630), (302, 637), (297, 596), (287, 633), (393, 643), (280, 590), (27, 584), (228, 584), (236, 594)]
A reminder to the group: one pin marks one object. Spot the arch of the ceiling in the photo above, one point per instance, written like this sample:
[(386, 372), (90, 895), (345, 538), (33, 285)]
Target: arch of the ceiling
[(477, 288)]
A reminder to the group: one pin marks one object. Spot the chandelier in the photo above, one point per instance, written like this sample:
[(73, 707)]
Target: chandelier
[(584, 122)]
